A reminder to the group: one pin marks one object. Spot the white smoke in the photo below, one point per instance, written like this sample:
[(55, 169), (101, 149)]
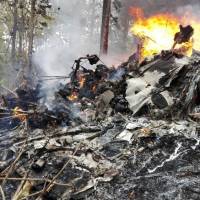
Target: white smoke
[(190, 10), (67, 38)]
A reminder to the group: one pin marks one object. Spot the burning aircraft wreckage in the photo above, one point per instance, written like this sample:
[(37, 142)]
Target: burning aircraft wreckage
[(129, 132)]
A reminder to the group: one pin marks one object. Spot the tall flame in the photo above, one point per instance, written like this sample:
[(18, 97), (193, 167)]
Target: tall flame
[(82, 80), (156, 33)]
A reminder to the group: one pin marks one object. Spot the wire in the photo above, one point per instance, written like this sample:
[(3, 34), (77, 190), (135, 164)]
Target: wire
[(102, 61)]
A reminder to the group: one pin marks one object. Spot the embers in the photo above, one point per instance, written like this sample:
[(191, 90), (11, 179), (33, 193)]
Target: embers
[(84, 82)]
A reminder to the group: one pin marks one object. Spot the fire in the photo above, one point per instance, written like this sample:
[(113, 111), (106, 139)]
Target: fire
[(156, 33), (82, 80), (73, 96), (19, 114), (94, 88)]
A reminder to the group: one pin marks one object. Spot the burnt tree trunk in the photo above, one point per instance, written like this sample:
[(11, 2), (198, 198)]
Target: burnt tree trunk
[(21, 29), (105, 27), (31, 35), (14, 31)]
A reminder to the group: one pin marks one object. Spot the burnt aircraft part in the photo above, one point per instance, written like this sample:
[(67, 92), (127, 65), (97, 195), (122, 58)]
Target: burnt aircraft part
[(120, 104), (93, 59), (159, 101), (184, 35), (101, 71)]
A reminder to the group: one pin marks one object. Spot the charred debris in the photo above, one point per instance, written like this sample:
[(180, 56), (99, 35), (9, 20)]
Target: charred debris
[(106, 127), (165, 87)]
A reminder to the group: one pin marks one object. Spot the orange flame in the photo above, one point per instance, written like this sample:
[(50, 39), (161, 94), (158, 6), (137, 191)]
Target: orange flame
[(156, 33), (94, 88), (19, 114), (73, 96), (82, 80)]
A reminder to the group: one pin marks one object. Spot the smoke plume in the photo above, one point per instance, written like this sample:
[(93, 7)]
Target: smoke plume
[(67, 38)]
